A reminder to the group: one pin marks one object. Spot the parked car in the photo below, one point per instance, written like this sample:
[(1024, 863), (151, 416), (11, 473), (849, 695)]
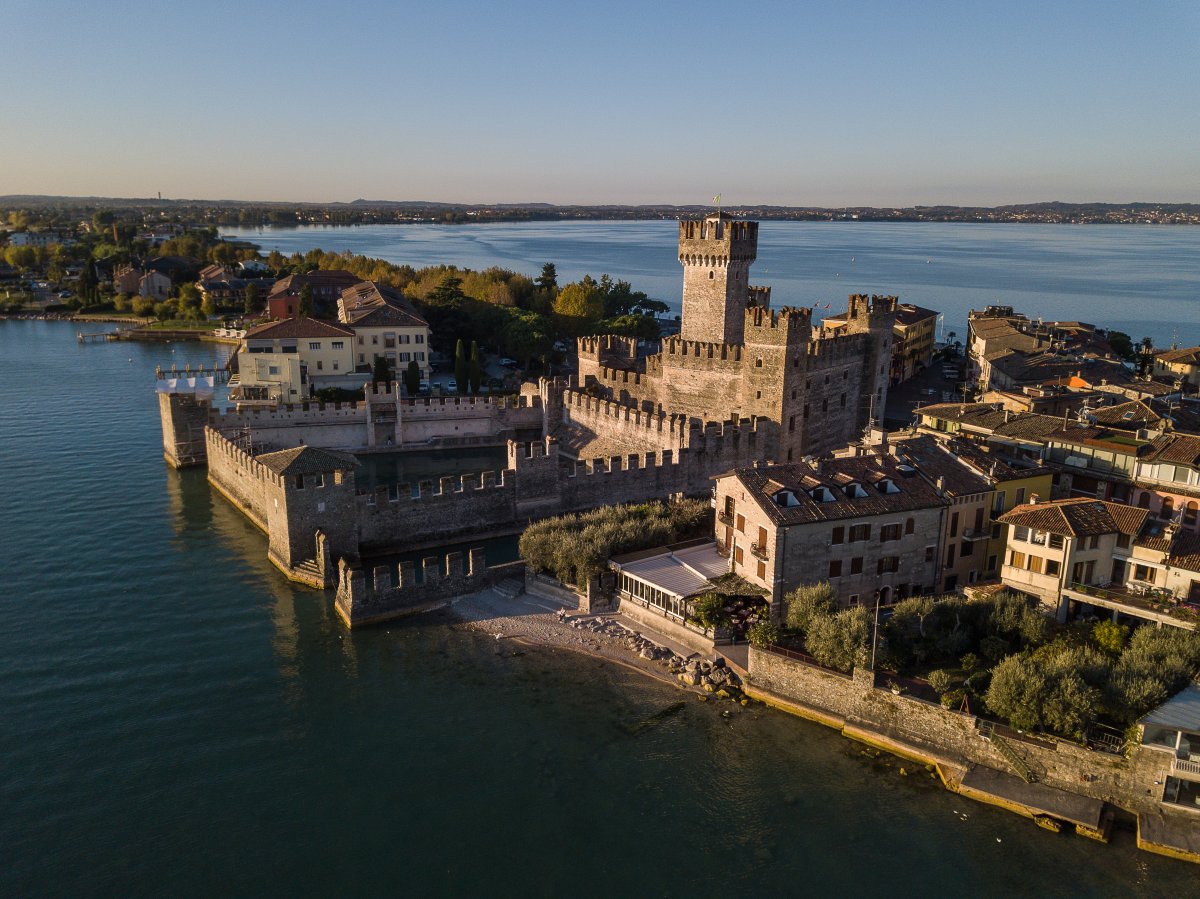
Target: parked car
[(452, 384), (508, 363)]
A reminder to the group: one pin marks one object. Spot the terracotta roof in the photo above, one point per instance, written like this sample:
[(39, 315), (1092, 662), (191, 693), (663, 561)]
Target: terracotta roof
[(935, 460), (1078, 517), (1188, 355), (371, 304), (307, 460), (293, 284), (1028, 426), (1179, 449), (1131, 415), (909, 314), (298, 328), (834, 475)]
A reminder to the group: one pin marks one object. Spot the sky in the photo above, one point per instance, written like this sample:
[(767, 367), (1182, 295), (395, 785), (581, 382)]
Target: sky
[(789, 103)]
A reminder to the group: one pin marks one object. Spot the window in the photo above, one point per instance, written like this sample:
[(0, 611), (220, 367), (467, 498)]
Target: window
[(299, 482), (856, 565), (929, 553), (375, 340), (860, 532), (320, 365), (314, 344), (741, 523), (360, 342), (853, 599), (889, 532), (1020, 497), (1053, 567), (419, 356), (889, 564), (272, 369), (1168, 508), (737, 555), (420, 338), (1022, 534), (1056, 541), (998, 505), (1143, 573), (950, 555), (1189, 514), (405, 338), (991, 565), (835, 568), (839, 536), (405, 357), (338, 344), (791, 423), (806, 410), (762, 539), (318, 480), (1036, 564), (968, 549), (824, 405), (954, 524), (910, 525), (335, 365), (1016, 559), (762, 570), (843, 398)]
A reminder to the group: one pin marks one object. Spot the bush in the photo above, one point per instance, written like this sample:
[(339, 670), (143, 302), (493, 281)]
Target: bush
[(763, 633), (1110, 636), (708, 610), (941, 680), (953, 699), (970, 662), (574, 548)]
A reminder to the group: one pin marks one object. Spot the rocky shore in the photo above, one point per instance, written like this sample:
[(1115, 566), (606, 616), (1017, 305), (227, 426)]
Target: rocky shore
[(530, 621)]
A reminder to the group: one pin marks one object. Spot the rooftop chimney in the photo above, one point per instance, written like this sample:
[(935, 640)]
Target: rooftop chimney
[(1033, 499)]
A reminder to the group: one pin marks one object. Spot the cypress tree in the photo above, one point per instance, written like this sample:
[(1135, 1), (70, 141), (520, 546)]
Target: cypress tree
[(460, 366), (475, 370)]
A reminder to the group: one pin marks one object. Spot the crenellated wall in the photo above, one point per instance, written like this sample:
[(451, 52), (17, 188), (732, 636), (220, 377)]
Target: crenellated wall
[(387, 592)]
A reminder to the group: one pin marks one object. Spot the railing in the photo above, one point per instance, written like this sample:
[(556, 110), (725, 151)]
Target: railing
[(725, 518), (803, 657), (1186, 767), (758, 551), (972, 534)]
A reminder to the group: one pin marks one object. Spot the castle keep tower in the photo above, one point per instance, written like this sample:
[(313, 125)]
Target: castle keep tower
[(716, 254)]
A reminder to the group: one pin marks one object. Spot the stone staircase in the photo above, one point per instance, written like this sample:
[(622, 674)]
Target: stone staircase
[(309, 572), (510, 588)]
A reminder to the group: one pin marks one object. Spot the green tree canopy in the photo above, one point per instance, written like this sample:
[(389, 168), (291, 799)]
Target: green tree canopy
[(412, 378), (305, 308)]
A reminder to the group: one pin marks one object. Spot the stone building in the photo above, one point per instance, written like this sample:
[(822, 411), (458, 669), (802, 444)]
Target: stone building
[(913, 339), (869, 525), (736, 358)]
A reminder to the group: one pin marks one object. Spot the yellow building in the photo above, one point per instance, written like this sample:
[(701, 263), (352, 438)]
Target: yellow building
[(285, 361), (385, 326)]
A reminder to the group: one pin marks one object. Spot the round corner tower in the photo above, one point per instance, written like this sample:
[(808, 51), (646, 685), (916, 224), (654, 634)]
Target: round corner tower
[(716, 254)]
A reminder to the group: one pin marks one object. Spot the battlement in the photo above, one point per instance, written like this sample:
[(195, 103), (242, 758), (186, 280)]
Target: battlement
[(701, 349), (796, 322), (759, 296), (390, 591), (612, 345), (450, 485), (225, 454), (659, 427), (863, 307), (717, 228), (837, 347)]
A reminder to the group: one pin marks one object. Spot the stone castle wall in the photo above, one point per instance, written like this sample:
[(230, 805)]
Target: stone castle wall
[(246, 483), (387, 592)]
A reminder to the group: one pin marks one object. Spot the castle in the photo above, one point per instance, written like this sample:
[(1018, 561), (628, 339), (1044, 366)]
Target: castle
[(741, 384)]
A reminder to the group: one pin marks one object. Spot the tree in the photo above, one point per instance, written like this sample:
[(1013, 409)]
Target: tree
[(809, 601), (1017, 692), (306, 301), (412, 378), (382, 372), (250, 305), (526, 335), (449, 290), (460, 367), (579, 306), (89, 285), (1122, 345), (548, 280), (474, 369), (1110, 636), (763, 633), (839, 641)]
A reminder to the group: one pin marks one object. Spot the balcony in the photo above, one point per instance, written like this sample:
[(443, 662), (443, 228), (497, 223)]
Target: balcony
[(970, 534), (759, 552), (1163, 607), (725, 518), (1188, 769)]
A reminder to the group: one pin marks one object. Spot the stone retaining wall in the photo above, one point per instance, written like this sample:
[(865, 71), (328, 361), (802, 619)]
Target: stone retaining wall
[(936, 733)]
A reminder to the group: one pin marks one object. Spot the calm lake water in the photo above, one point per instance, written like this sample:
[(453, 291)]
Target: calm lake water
[(179, 720), (1141, 279)]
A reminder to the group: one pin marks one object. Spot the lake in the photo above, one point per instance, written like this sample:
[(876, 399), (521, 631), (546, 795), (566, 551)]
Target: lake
[(1141, 279)]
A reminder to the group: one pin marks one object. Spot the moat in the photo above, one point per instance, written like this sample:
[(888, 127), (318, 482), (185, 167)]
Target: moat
[(166, 688)]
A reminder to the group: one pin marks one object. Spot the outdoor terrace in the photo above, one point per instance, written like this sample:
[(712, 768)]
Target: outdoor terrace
[(1152, 604)]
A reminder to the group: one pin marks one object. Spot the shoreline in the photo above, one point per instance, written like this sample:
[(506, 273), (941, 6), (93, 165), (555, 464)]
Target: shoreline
[(514, 620)]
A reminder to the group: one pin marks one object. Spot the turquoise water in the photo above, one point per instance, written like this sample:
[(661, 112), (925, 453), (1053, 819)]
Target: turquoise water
[(1141, 279), (177, 719)]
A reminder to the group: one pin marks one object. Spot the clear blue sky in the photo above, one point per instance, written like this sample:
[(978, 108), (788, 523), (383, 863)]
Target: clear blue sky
[(874, 103)]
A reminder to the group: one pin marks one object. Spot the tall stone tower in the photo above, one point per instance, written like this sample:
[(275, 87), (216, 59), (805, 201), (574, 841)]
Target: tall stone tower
[(716, 254)]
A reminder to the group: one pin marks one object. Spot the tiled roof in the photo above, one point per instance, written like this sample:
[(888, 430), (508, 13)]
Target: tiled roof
[(298, 328), (835, 474), (1131, 415), (1028, 426), (1180, 449), (1078, 517), (363, 304), (1188, 355), (934, 460), (908, 314), (307, 460)]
